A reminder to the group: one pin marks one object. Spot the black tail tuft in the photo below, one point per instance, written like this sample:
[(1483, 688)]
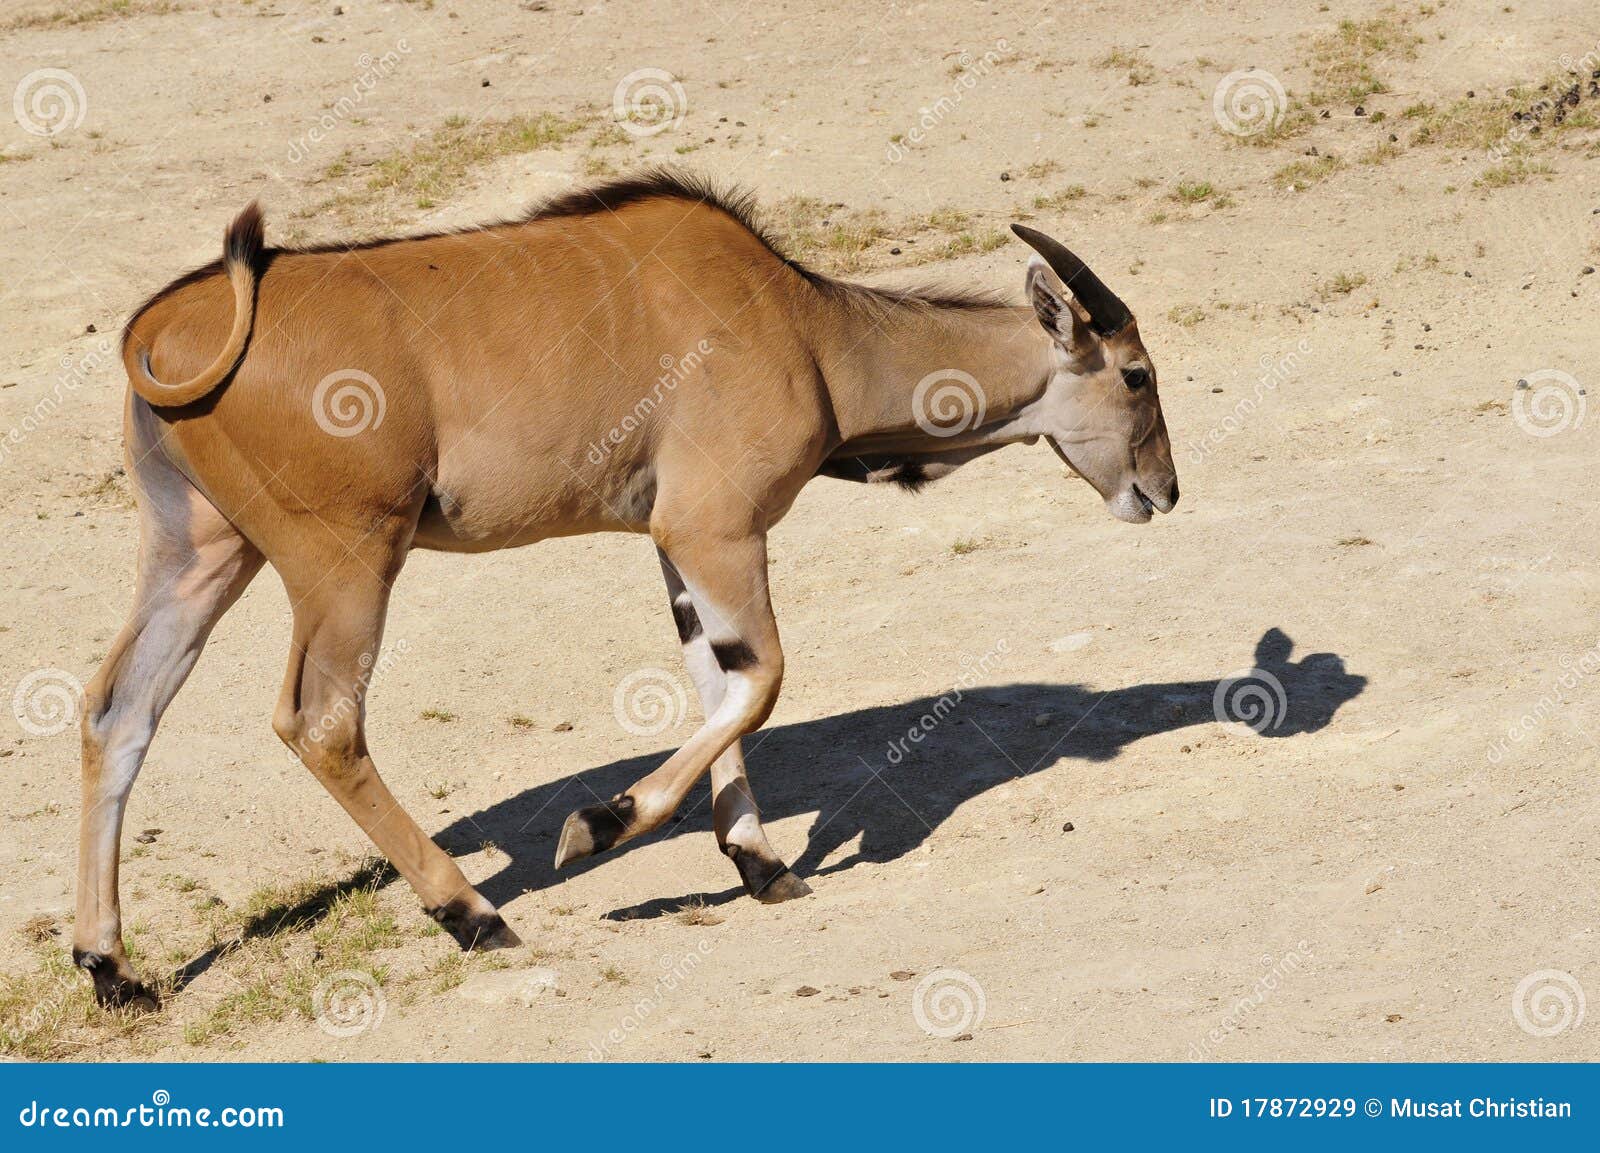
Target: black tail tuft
[(245, 238)]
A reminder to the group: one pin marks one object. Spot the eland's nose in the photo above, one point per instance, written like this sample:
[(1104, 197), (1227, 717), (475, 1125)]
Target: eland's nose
[(1172, 494)]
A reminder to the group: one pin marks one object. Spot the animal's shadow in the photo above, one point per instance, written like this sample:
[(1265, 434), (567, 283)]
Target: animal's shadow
[(863, 773)]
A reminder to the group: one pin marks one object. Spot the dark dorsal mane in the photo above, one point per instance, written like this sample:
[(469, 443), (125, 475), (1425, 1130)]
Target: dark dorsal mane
[(664, 183)]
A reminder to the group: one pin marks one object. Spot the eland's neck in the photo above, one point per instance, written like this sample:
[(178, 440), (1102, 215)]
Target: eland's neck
[(929, 379)]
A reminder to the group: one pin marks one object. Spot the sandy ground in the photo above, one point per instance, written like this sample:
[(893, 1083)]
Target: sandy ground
[(1368, 517)]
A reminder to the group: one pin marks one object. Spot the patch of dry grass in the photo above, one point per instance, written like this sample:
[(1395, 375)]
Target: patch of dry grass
[(1345, 61), (82, 15), (1299, 175), (438, 164)]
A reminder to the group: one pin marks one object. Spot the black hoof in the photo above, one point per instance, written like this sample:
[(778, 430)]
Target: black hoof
[(767, 879), (114, 988), (474, 930), (594, 829)]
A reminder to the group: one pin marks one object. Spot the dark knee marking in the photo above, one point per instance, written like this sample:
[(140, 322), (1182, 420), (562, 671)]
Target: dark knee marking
[(474, 929), (687, 620), (113, 988), (733, 656)]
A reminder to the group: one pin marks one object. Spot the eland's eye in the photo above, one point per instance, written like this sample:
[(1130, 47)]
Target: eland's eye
[(1135, 378)]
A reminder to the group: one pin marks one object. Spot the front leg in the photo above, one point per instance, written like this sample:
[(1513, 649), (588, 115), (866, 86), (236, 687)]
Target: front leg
[(726, 575), (733, 805)]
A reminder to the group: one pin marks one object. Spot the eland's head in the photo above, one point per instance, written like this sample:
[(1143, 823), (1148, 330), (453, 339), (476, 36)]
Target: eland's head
[(1100, 410)]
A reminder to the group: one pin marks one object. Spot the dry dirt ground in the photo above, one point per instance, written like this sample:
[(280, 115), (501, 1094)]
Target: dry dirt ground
[(1404, 863)]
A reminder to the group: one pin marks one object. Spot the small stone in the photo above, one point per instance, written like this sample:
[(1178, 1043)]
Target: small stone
[(901, 975), (1217, 389), (806, 991), (1397, 372), (1393, 138), (1326, 114), (1042, 720), (509, 986), (1588, 270), (564, 727), (1068, 827), (1467, 274), (484, 83), (90, 328), (1005, 177), (1360, 111), (895, 251), (1186, 749), (1523, 384), (145, 839), (1427, 328), (266, 98), (962, 1037), (1393, 1017)]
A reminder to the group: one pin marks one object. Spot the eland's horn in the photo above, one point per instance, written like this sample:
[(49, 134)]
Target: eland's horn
[(1107, 313)]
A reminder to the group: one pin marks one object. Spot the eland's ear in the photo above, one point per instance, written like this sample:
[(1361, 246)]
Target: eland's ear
[(1062, 316)]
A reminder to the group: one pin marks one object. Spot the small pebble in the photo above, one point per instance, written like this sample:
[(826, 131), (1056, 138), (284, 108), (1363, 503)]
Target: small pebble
[(564, 727), (1005, 177), (90, 328), (484, 83), (895, 251), (962, 1037), (1588, 270), (1360, 111), (902, 975), (806, 991), (1068, 827)]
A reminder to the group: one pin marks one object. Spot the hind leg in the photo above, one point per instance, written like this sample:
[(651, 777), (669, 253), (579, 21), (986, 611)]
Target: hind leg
[(192, 565), (733, 806), (339, 607)]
